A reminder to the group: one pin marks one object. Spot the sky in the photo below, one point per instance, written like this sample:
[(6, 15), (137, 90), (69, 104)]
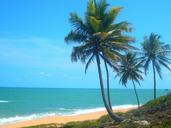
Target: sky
[(33, 52)]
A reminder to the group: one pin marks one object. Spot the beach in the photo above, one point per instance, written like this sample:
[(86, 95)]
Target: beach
[(85, 64), (62, 119), (36, 106)]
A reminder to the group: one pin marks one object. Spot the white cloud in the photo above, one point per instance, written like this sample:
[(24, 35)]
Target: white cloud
[(45, 74), (37, 52)]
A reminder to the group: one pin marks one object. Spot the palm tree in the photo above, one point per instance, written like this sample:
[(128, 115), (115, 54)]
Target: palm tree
[(156, 53), (130, 70), (100, 39)]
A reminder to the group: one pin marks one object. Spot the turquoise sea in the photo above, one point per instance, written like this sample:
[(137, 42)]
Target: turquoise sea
[(27, 103)]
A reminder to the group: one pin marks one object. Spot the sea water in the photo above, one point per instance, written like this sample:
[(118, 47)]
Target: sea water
[(29, 103)]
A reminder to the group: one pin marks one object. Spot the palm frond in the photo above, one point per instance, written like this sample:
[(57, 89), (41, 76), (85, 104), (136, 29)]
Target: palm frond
[(130, 69), (101, 7), (164, 64), (112, 65), (88, 63), (155, 51), (77, 24), (99, 34), (76, 37), (94, 23), (158, 68), (122, 26), (91, 9), (147, 64), (81, 52)]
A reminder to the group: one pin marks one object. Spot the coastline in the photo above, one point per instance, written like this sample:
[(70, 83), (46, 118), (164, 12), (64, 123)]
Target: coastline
[(62, 119)]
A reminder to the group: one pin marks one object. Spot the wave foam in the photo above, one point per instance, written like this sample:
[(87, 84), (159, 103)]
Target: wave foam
[(4, 101), (87, 111), (125, 106), (17, 118), (69, 112)]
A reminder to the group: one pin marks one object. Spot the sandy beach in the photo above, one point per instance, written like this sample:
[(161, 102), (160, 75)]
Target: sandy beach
[(61, 119)]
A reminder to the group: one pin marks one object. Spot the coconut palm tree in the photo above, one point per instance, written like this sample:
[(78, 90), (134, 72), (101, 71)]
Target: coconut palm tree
[(130, 69), (156, 53), (99, 39)]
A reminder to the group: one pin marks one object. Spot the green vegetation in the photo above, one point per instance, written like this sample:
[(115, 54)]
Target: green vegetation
[(154, 114), (130, 70), (157, 53), (100, 38)]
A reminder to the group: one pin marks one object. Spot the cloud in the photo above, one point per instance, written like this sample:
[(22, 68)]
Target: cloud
[(30, 61), (45, 74), (35, 51)]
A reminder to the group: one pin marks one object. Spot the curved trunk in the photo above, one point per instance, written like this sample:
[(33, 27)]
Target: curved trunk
[(154, 76), (111, 114), (108, 88), (136, 94)]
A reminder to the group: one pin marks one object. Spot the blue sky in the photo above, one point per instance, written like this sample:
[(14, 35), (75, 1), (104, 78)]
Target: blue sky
[(32, 48)]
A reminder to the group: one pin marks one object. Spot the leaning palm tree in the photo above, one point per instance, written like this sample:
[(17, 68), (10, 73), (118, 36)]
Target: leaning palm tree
[(156, 53), (130, 69), (99, 39)]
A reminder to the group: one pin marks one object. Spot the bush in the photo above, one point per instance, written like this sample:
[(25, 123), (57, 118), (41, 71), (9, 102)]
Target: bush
[(85, 124)]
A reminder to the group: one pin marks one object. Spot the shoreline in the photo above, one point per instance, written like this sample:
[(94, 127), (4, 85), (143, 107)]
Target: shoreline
[(62, 119)]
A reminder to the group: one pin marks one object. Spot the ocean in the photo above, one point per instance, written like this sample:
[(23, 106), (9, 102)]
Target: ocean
[(29, 103)]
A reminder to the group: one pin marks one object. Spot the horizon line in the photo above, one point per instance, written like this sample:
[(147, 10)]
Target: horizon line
[(83, 88)]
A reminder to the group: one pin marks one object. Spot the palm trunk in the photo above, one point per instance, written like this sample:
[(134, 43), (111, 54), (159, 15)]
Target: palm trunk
[(111, 114), (108, 88), (136, 94), (154, 76)]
